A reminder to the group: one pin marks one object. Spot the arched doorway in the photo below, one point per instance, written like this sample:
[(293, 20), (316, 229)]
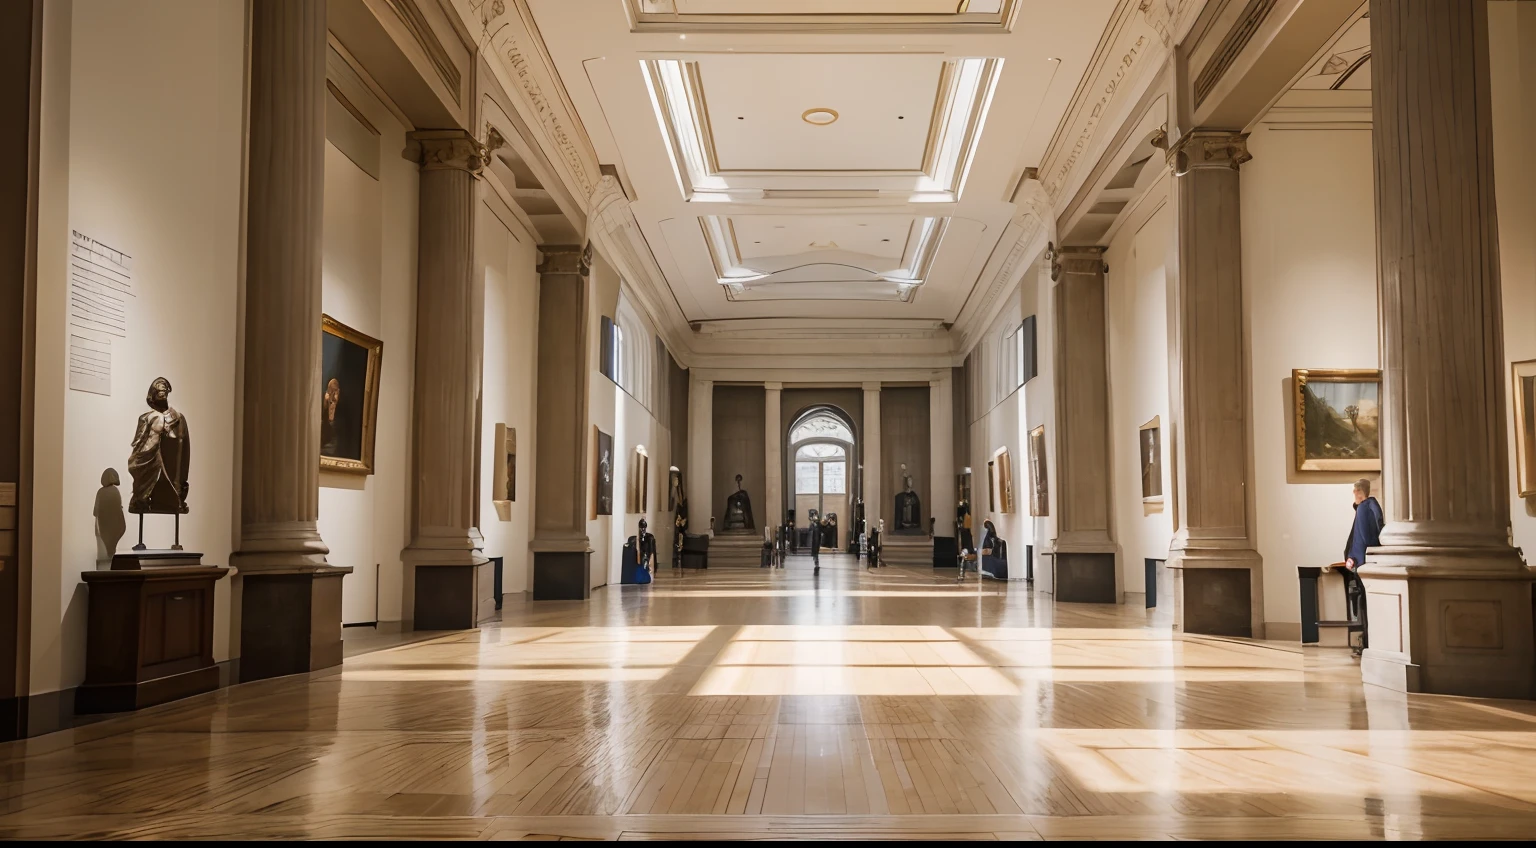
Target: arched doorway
[(821, 448)]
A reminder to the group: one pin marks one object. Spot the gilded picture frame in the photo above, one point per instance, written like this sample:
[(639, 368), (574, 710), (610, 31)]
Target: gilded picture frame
[(1337, 419), (1039, 481), (639, 481), (504, 472), (1004, 463), (1151, 440), (349, 397), (1524, 399)]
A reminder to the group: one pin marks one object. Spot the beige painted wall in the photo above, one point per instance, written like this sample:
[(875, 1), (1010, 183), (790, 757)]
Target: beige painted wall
[(1309, 299), (369, 283), (739, 421), (146, 157), (508, 258), (1512, 47), (1137, 302)]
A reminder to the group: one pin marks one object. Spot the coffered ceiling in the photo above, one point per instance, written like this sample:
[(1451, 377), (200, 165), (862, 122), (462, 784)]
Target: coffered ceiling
[(846, 160)]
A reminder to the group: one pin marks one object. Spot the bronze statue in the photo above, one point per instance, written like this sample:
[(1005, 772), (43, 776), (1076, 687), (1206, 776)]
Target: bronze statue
[(738, 510), (159, 460), (158, 463), (909, 509)]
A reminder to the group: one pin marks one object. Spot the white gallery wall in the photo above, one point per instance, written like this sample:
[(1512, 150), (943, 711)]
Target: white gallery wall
[(1136, 294), (145, 157), (1512, 49), (368, 269), (1309, 301), (508, 257)]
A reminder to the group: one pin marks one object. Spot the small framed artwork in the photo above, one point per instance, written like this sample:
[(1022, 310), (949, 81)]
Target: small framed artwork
[(504, 474), (639, 481), (1039, 492), (1003, 461), (992, 485), (602, 464), (349, 396), (674, 488), (1337, 416), (1152, 461), (1525, 427)]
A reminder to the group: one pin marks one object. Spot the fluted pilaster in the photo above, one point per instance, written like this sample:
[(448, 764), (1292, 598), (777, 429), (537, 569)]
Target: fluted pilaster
[(280, 437), (1449, 599), (1218, 575)]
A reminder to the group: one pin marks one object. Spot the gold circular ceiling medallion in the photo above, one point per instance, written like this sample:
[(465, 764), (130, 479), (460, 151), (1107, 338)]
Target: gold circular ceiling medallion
[(820, 116)]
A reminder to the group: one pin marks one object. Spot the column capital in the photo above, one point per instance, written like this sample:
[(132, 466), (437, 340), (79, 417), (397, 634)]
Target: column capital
[(1078, 259), (1203, 149), (565, 259), (448, 150), (872, 386), (773, 386)]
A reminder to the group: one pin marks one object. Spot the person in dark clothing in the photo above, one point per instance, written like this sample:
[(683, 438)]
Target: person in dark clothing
[(815, 543), (1365, 533)]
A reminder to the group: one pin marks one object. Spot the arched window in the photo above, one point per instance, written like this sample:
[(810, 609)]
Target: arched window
[(820, 450), (821, 426)]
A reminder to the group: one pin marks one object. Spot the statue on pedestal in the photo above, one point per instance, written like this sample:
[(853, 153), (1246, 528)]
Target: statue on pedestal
[(909, 510), (159, 459), (738, 510)]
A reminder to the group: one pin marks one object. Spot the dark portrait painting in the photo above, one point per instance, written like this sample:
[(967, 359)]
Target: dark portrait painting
[(349, 399), (603, 472)]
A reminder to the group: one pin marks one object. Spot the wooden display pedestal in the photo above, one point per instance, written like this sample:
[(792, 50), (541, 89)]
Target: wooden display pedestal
[(149, 631)]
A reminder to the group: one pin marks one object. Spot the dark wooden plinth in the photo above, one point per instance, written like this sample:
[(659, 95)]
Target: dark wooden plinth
[(561, 575), (1217, 602), (290, 623), (447, 597), (149, 636), (1086, 578)]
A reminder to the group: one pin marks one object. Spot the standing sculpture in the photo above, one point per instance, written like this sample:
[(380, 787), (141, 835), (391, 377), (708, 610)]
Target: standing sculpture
[(909, 510), (738, 510), (158, 463)]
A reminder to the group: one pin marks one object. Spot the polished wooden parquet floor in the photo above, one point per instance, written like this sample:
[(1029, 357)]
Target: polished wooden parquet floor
[(771, 704)]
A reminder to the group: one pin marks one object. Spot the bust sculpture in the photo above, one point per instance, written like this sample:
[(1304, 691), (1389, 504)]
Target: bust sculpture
[(738, 510), (909, 510), (160, 456)]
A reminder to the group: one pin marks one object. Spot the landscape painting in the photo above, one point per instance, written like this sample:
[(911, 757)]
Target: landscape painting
[(1338, 419)]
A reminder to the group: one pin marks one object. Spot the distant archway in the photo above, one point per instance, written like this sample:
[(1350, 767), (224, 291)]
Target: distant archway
[(822, 459)]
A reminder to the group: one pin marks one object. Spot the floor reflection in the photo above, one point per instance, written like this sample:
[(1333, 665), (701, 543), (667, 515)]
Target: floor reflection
[(731, 703)]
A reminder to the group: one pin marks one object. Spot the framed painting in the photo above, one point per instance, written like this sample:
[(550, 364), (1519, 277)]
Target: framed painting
[(1004, 462), (602, 464), (639, 481), (1152, 461), (1039, 492), (504, 472), (1337, 419), (349, 397), (992, 485), (1525, 427)]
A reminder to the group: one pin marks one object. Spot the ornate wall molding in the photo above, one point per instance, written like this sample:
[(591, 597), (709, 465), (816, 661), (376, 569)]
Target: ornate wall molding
[(416, 24), (1030, 231), (612, 226), (523, 65)]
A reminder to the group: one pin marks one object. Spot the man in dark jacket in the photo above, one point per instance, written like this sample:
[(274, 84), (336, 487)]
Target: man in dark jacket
[(815, 542), (1366, 533)]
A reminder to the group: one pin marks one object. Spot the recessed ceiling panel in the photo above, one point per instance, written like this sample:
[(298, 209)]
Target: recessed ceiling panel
[(766, 236), (875, 110)]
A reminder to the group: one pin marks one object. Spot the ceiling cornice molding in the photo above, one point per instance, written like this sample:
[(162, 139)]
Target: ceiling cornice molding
[(612, 226), (1133, 49), (1029, 233), (523, 66)]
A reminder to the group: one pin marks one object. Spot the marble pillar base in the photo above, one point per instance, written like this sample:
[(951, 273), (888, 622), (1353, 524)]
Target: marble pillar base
[(290, 622), (1084, 577), (1460, 630), (562, 575), (1218, 592)]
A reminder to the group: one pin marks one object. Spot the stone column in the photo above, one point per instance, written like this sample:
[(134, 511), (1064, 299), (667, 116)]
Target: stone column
[(290, 613), (1218, 577), (1449, 600), (871, 450), (773, 449), (450, 297), (701, 454), (941, 455), (563, 437), (1085, 561)]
